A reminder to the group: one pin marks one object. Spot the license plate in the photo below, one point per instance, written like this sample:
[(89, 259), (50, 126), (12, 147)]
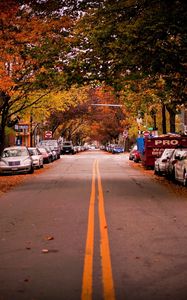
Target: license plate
[(14, 169)]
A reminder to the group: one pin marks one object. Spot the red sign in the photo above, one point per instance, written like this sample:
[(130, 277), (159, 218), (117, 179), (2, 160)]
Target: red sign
[(48, 134), (146, 133)]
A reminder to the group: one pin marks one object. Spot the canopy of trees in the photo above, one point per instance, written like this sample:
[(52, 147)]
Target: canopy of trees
[(137, 48), (31, 55)]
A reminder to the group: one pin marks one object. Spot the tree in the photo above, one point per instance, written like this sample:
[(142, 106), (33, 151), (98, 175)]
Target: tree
[(31, 60), (81, 119), (141, 38)]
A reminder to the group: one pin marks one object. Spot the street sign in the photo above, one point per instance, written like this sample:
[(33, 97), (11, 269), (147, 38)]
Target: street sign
[(48, 134), (146, 133), (125, 134)]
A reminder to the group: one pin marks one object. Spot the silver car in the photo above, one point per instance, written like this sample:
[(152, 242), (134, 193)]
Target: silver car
[(16, 159), (171, 163), (161, 162), (181, 168), (37, 157)]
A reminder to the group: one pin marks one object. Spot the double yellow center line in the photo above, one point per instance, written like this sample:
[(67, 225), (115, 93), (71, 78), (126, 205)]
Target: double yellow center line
[(107, 278)]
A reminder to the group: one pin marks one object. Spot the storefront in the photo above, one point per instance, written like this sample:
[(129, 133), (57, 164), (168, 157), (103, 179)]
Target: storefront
[(22, 134)]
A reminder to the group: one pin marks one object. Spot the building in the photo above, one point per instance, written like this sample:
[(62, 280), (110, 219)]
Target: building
[(23, 137)]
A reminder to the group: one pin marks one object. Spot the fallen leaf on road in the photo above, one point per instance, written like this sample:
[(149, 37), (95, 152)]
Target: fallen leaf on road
[(49, 238), (45, 250)]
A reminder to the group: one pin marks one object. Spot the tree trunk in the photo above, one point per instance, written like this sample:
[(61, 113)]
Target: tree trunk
[(4, 118), (172, 121), (172, 114), (2, 135), (164, 119)]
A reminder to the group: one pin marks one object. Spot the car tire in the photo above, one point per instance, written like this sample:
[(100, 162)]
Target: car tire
[(159, 172), (155, 172), (31, 171), (136, 160), (184, 179), (173, 175)]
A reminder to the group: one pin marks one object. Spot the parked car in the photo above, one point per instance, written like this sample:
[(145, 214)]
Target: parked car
[(161, 162), (16, 159), (117, 149), (134, 154), (170, 165), (132, 151), (47, 156), (37, 157), (53, 144), (67, 148), (181, 168), (52, 152), (151, 148)]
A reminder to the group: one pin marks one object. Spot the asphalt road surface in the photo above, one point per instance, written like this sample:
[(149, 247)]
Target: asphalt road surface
[(93, 228)]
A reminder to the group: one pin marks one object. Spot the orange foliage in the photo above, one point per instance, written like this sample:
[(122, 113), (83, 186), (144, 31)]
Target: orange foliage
[(19, 34), (106, 122)]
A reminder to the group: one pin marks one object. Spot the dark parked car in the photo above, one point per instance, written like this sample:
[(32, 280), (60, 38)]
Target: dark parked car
[(117, 149), (67, 148)]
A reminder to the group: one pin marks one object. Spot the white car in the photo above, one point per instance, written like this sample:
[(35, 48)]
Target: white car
[(16, 159), (171, 163), (181, 169), (161, 162), (37, 157)]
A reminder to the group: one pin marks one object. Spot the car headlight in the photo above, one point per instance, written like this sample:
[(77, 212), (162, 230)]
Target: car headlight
[(27, 161), (2, 163), (35, 160)]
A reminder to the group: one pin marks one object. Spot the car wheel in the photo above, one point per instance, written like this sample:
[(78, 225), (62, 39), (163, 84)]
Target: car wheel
[(159, 172), (155, 172), (31, 170), (184, 179), (173, 175), (136, 160)]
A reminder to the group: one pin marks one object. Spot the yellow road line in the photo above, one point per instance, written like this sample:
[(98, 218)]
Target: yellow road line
[(108, 285), (88, 260), (87, 283)]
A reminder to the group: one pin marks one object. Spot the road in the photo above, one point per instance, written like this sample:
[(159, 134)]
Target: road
[(93, 228)]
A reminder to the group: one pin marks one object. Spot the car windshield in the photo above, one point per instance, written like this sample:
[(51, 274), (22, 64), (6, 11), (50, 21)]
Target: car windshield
[(167, 153), (14, 152), (33, 152), (49, 143), (179, 153), (42, 150)]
